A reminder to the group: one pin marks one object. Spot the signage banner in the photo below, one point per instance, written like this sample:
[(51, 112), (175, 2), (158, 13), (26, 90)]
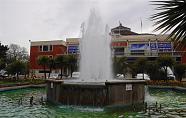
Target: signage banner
[(164, 45), (73, 49), (161, 45), (143, 46)]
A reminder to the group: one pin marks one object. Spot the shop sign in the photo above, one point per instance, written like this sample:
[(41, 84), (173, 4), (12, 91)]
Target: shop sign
[(119, 44), (161, 45), (128, 87), (73, 49)]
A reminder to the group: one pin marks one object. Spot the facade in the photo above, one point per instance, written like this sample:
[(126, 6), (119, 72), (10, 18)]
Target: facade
[(133, 45), (44, 48), (124, 43), (72, 45)]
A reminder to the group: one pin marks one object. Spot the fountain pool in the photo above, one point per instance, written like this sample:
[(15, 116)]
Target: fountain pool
[(173, 102)]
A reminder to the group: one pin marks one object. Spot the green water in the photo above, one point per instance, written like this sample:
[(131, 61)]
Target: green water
[(173, 103)]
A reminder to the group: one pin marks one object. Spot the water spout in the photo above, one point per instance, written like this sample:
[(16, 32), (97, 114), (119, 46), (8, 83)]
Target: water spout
[(95, 60)]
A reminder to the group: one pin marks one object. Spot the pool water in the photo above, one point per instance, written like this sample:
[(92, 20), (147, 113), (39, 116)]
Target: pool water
[(16, 104)]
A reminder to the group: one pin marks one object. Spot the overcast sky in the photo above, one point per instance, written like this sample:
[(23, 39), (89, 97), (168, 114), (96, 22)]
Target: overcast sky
[(35, 20)]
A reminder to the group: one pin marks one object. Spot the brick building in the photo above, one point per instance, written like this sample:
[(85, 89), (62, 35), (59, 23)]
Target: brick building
[(45, 48)]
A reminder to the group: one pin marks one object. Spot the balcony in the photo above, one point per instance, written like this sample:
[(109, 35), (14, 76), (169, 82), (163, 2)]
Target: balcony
[(150, 54)]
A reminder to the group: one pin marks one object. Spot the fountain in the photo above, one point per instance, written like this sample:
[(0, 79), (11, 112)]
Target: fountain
[(95, 62), (96, 86)]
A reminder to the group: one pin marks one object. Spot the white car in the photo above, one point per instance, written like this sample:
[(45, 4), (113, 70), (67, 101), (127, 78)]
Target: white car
[(140, 76), (54, 76), (75, 74), (121, 76)]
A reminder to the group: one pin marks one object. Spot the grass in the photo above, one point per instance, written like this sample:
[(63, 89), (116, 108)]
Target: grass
[(166, 83), (9, 82)]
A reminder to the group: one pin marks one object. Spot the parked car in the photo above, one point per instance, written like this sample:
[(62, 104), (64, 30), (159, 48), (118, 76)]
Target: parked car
[(75, 74), (140, 76), (54, 76), (3, 74), (120, 76)]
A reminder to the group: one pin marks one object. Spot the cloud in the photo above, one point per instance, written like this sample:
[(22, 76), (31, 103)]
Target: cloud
[(24, 20)]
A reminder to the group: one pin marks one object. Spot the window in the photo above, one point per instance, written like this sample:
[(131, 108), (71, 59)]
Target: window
[(119, 51), (40, 47), (45, 48), (137, 52)]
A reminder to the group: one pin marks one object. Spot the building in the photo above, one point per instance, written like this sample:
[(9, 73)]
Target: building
[(124, 43), (72, 45), (45, 48), (133, 45)]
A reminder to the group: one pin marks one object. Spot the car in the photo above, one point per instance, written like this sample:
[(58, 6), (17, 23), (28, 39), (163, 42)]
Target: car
[(120, 76), (75, 74), (54, 76), (141, 76), (3, 74)]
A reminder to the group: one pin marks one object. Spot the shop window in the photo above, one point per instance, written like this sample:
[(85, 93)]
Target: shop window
[(118, 51)]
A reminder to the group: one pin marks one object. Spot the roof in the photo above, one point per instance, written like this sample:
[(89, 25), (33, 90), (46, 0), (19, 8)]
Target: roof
[(121, 30), (53, 42)]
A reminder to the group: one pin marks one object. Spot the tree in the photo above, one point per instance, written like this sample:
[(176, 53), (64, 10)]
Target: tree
[(71, 61), (141, 65), (153, 70), (179, 70), (16, 52), (51, 64), (120, 65), (43, 61), (3, 50), (172, 17), (60, 63), (164, 62), (17, 67)]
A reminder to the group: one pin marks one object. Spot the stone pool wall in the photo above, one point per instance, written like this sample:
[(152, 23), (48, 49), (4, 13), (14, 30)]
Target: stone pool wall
[(110, 93)]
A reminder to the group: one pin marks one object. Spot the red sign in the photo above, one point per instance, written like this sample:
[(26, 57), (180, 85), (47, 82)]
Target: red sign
[(119, 44)]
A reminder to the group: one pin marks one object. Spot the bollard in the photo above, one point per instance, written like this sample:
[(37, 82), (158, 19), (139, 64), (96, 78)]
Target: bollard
[(160, 108), (149, 112), (145, 107), (31, 101), (156, 106)]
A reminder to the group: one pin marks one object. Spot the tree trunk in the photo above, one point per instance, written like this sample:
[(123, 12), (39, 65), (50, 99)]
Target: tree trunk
[(49, 72), (61, 72), (45, 72), (17, 76), (71, 70)]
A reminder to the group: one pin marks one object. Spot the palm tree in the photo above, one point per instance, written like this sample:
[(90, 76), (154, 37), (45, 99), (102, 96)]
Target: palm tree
[(141, 65), (43, 61), (172, 17), (179, 70), (60, 62), (164, 62), (71, 61), (51, 65)]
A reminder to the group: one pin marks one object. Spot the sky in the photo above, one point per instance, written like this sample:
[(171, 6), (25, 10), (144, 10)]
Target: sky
[(36, 20)]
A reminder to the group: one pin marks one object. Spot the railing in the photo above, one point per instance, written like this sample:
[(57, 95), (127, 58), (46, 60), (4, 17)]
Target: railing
[(151, 53)]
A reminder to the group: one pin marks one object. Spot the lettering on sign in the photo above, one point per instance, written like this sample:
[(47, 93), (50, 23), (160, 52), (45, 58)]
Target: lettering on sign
[(128, 87)]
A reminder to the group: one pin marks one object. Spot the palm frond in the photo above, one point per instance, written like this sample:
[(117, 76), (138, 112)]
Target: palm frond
[(171, 17)]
